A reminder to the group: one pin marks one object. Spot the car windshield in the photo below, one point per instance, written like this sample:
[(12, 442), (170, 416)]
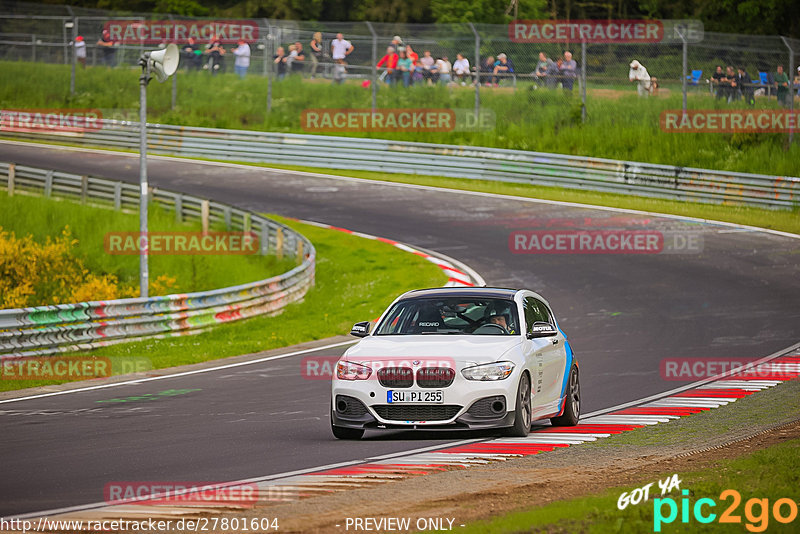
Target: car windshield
[(452, 315)]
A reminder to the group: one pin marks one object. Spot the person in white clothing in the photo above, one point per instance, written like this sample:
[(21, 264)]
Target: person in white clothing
[(639, 75), (461, 68), (340, 48), (80, 50), (443, 67), (242, 61)]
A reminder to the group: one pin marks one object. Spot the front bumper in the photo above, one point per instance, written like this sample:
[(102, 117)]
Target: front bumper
[(459, 405)]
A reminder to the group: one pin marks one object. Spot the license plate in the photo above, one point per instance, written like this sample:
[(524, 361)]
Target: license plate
[(411, 396)]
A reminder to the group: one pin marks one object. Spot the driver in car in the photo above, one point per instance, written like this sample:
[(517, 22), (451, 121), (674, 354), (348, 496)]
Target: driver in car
[(500, 320)]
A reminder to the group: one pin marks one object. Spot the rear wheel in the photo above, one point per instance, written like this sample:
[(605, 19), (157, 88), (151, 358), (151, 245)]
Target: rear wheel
[(341, 432), (522, 413), (572, 404)]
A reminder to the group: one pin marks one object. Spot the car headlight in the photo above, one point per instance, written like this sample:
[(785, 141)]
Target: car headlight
[(488, 371), (352, 371)]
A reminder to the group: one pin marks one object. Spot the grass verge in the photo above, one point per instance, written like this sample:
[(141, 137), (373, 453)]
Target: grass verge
[(356, 279), (43, 217), (765, 474)]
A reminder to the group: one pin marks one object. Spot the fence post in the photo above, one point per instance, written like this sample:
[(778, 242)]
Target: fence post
[(583, 81), (118, 196), (33, 49), (374, 65), (204, 208), (48, 184), (477, 70), (178, 208), (226, 211), (685, 45), (264, 238), (74, 58), (268, 51), (84, 188), (792, 89), (174, 90), (279, 243), (12, 170)]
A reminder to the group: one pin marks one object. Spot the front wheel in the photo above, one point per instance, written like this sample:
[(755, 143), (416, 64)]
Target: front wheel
[(572, 404), (341, 432), (522, 413)]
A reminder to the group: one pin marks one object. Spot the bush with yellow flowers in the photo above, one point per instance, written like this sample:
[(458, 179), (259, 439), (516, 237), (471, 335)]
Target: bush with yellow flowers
[(35, 274)]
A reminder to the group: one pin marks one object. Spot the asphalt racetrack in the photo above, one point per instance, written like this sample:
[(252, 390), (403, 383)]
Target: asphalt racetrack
[(735, 295)]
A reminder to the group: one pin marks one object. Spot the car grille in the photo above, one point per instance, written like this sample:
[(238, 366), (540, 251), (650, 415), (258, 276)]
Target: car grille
[(349, 407), (483, 407), (435, 412), (396, 377), (435, 377)]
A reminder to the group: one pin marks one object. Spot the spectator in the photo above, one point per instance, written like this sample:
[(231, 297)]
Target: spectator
[(416, 71), (290, 58), (340, 48), (389, 62), (413, 56), (242, 61), (486, 70), (639, 74), (191, 54), (503, 68), (397, 42), (404, 66), (546, 71), (568, 71), (443, 70), (109, 53), (797, 81), (729, 84), (317, 53), (279, 60), (299, 58), (782, 84), (339, 71), (461, 69), (744, 86), (717, 81), (216, 54), (428, 67), (80, 50)]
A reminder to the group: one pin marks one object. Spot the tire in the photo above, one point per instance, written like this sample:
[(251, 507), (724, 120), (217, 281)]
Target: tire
[(572, 404), (341, 432), (522, 412)]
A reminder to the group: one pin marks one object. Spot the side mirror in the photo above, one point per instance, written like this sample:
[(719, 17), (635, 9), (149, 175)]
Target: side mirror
[(360, 329), (542, 329)]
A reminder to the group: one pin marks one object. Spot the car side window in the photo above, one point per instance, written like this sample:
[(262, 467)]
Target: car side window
[(535, 311)]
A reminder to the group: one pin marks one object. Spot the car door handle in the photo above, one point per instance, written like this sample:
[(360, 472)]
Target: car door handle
[(555, 341)]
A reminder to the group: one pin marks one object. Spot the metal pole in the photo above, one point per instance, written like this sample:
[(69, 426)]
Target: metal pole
[(374, 66), (477, 70), (583, 81), (144, 274), (33, 48), (791, 84), (66, 42), (174, 90), (685, 67), (74, 56), (269, 71)]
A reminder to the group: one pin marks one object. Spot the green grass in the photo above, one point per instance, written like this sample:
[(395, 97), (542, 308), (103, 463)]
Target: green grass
[(620, 128), (769, 473), (41, 217), (356, 279)]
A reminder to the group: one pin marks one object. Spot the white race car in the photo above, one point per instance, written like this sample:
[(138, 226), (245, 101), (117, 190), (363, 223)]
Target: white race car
[(449, 358)]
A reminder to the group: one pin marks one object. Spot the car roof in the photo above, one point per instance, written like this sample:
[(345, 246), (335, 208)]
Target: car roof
[(486, 292)]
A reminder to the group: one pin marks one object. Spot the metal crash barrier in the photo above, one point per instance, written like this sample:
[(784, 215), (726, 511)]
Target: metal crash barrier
[(46, 330)]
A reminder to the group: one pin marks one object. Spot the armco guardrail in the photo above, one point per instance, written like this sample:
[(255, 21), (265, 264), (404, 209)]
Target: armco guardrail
[(593, 174), (50, 329)]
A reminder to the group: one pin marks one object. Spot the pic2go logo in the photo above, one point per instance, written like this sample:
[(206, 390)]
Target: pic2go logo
[(756, 511)]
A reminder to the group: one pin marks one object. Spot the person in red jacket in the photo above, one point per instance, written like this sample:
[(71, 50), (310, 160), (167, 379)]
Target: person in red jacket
[(389, 61)]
